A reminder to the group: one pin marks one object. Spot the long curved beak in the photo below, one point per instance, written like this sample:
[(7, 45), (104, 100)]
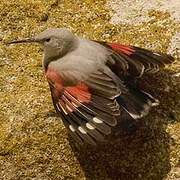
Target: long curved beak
[(28, 40)]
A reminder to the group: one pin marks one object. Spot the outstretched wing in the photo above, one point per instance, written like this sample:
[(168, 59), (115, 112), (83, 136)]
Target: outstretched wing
[(88, 109), (135, 61)]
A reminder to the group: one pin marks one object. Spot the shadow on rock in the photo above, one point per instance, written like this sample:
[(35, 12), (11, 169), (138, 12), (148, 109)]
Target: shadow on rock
[(145, 153)]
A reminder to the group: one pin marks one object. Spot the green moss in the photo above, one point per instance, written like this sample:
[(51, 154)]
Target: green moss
[(34, 143)]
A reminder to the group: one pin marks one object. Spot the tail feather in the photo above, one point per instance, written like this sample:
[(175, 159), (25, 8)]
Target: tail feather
[(137, 103)]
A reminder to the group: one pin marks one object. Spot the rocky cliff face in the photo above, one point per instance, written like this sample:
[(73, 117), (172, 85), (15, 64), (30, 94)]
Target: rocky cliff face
[(33, 141)]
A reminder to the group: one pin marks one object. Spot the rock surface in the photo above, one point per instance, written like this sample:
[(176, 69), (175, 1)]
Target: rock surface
[(34, 143)]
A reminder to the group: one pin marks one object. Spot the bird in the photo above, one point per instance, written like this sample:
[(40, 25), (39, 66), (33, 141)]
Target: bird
[(93, 83)]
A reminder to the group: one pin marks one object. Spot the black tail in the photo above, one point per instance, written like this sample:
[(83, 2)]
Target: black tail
[(137, 103)]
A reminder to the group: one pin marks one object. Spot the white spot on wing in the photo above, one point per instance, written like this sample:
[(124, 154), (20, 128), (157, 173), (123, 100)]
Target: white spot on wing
[(89, 126), (63, 108), (58, 108), (69, 109), (74, 104), (142, 71), (156, 54), (97, 120), (71, 128), (134, 116), (156, 103), (82, 130)]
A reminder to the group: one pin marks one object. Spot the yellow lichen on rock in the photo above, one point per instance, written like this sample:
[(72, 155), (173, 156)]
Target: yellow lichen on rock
[(34, 142)]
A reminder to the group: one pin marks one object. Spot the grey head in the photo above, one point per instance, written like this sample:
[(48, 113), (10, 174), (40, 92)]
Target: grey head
[(56, 43)]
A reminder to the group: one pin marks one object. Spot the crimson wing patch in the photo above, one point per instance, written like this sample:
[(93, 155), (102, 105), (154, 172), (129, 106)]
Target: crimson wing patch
[(88, 110), (134, 61), (122, 48)]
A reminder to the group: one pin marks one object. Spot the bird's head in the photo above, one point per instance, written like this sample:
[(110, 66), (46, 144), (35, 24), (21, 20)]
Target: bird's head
[(56, 43)]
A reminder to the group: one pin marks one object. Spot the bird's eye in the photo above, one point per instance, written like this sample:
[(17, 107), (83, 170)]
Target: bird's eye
[(48, 39)]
